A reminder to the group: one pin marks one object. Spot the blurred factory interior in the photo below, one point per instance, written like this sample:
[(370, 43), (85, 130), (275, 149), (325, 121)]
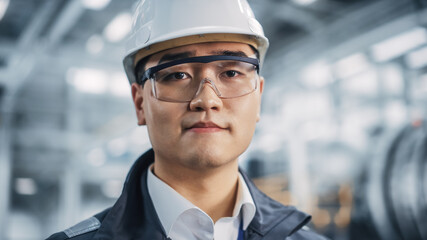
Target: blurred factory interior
[(342, 133)]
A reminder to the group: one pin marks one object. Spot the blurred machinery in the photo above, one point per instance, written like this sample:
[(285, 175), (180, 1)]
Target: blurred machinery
[(392, 201)]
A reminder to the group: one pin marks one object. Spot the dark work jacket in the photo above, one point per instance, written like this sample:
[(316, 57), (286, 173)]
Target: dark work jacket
[(133, 216)]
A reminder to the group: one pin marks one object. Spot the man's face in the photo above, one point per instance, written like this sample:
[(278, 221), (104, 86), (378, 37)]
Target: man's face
[(206, 132)]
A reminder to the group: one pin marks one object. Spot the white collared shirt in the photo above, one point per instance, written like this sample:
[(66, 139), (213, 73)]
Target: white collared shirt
[(182, 220)]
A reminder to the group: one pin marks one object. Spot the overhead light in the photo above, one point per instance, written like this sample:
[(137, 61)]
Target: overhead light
[(119, 27), (96, 157), (95, 4), (393, 80), (4, 4), (270, 142), (118, 147), (304, 2), (25, 186), (351, 65), (317, 74), (119, 85), (399, 45), (112, 188), (395, 113), (364, 84), (88, 80), (139, 136), (417, 58), (313, 130), (94, 44), (299, 107)]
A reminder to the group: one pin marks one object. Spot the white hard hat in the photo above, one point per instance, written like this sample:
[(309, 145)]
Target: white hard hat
[(163, 24)]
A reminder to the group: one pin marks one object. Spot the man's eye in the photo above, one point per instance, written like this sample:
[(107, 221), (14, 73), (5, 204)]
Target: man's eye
[(175, 76), (231, 73), (179, 75)]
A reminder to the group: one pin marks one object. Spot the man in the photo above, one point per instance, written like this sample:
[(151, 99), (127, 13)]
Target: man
[(194, 70)]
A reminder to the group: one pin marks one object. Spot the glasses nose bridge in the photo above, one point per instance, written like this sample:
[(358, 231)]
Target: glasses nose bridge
[(210, 83)]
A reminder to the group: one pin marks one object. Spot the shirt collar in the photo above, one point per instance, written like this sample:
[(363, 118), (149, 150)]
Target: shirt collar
[(161, 195), (244, 203)]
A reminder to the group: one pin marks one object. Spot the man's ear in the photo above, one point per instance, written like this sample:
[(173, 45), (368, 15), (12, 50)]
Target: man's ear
[(261, 89), (138, 99), (261, 84)]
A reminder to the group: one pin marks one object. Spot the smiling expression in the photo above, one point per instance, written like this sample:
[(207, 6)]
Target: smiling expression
[(206, 132)]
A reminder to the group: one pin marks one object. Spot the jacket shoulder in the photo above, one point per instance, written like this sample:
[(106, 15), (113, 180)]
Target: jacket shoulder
[(78, 231), (82, 230)]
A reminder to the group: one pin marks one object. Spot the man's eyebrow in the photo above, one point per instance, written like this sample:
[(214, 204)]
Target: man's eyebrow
[(229, 53), (175, 56)]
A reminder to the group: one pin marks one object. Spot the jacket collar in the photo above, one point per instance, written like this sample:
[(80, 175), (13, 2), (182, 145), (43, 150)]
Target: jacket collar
[(133, 215), (273, 216)]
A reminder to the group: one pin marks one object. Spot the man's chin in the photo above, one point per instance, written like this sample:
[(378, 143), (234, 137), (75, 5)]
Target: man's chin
[(205, 160)]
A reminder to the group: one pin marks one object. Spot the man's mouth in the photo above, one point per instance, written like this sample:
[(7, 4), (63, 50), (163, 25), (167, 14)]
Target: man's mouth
[(205, 127)]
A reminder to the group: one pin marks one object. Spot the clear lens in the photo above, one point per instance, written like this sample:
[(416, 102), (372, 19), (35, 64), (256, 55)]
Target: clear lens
[(181, 82)]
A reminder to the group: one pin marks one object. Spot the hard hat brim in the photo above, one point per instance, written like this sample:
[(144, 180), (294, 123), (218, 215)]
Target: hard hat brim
[(201, 38)]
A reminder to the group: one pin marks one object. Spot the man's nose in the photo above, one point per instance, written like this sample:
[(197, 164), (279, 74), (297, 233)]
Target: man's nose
[(207, 97)]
